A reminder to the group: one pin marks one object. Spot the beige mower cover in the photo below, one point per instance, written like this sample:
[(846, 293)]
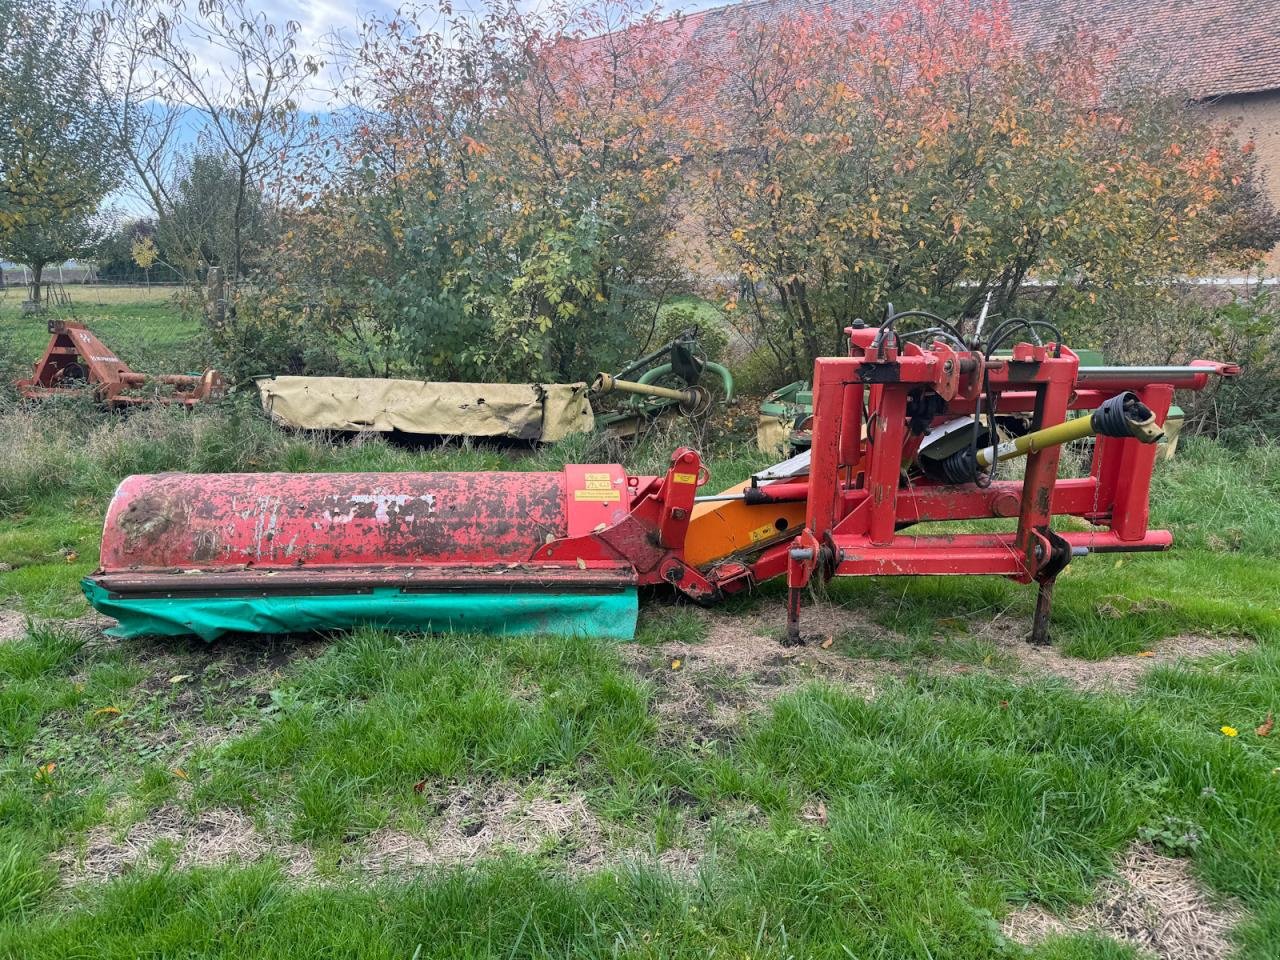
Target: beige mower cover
[(522, 411)]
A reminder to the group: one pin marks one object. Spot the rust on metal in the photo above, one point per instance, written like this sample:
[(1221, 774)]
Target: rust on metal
[(76, 362)]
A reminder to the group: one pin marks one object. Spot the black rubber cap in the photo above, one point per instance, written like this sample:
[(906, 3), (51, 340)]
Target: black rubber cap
[(1113, 418)]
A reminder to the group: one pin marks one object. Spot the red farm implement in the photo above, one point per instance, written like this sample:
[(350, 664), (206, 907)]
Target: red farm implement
[(876, 411), (904, 435), (77, 363)]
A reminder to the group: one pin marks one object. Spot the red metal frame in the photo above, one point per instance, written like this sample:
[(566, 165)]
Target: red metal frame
[(75, 353), (650, 535), (860, 497)]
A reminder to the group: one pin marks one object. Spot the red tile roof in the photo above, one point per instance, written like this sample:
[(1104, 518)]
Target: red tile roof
[(1205, 48)]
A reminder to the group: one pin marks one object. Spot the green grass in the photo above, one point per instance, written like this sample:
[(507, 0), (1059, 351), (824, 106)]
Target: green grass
[(47, 549), (145, 327), (670, 623), (950, 798), (356, 730), (947, 801)]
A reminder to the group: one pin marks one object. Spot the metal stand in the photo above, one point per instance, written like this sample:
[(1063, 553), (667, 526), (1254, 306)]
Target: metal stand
[(1044, 606)]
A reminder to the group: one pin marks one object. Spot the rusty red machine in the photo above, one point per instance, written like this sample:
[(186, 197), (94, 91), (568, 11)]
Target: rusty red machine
[(904, 436), (76, 363)]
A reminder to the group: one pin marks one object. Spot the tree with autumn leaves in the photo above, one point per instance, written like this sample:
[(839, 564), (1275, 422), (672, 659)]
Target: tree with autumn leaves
[(508, 197), (497, 205), (926, 158)]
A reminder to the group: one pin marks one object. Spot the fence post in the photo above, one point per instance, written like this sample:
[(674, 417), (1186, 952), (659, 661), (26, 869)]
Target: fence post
[(215, 298)]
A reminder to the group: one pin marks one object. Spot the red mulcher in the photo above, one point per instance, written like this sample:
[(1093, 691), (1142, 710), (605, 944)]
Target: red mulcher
[(76, 363), (904, 433)]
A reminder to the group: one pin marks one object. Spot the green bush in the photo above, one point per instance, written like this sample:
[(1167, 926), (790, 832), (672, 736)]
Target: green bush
[(262, 338), (691, 313), (1173, 326), (760, 372)]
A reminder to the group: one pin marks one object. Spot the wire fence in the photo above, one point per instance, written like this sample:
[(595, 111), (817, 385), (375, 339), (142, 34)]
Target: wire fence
[(14, 275), (68, 297), (91, 291)]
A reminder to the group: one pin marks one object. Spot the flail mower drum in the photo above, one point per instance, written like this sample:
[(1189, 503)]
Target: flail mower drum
[(903, 433), (500, 552)]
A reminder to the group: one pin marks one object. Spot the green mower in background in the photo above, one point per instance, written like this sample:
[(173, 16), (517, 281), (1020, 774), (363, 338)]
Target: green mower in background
[(783, 429), (668, 380)]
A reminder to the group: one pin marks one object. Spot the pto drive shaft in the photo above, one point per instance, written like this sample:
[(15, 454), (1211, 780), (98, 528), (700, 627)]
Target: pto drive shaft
[(693, 400), (1123, 416)]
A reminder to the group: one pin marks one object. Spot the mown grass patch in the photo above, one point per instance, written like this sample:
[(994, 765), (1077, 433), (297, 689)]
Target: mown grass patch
[(944, 801), (669, 623), (514, 910), (378, 714), (46, 550)]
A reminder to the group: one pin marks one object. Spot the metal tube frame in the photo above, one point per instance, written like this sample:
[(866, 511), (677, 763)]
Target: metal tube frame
[(859, 501)]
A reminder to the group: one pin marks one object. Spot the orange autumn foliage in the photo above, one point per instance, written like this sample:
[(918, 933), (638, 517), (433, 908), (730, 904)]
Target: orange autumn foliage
[(505, 202)]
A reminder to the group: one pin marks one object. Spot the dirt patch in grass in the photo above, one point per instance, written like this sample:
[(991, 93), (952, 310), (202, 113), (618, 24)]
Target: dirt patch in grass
[(742, 665), (211, 687), (94, 625), (235, 658), (704, 690), (184, 697), (1153, 903), (172, 835), (1120, 673), (477, 822), (13, 625)]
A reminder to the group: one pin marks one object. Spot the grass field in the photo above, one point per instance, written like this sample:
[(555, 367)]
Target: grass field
[(143, 325), (924, 787)]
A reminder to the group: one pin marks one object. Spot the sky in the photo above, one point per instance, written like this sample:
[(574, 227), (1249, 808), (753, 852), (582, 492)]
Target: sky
[(321, 19)]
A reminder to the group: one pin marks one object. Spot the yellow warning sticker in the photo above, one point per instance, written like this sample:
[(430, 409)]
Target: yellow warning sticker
[(763, 533), (601, 496), (592, 477), (685, 477), (598, 485)]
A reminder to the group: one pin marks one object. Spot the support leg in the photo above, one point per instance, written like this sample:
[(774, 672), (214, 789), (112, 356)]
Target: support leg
[(792, 638), (801, 562), (1040, 623)]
